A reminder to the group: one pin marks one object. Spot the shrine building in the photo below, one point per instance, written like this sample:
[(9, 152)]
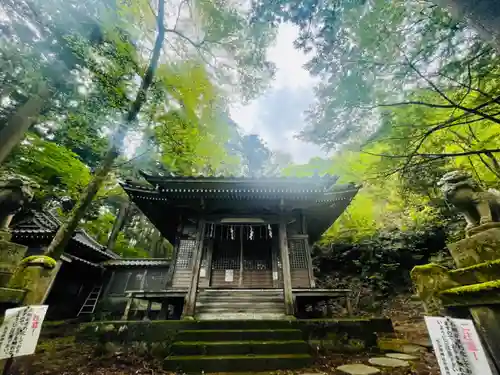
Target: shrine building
[(242, 246)]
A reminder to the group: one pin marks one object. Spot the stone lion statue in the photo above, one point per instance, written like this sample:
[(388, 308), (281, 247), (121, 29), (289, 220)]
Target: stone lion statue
[(475, 204), (14, 194)]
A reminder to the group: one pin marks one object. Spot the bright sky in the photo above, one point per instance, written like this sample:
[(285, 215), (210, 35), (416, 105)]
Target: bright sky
[(278, 114)]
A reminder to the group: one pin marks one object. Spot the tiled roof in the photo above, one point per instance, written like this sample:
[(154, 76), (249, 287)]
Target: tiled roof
[(137, 262), (39, 223), (221, 177), (73, 257), (45, 223)]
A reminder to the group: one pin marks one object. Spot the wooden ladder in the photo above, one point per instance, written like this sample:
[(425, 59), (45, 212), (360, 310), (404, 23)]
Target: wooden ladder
[(90, 303)]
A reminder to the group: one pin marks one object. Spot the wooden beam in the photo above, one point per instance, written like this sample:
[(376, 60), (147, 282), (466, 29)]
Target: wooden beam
[(190, 301), (285, 261)]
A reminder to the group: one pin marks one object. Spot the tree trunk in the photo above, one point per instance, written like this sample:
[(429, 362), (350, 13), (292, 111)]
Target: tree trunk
[(483, 15), (118, 224), (13, 132), (65, 232)]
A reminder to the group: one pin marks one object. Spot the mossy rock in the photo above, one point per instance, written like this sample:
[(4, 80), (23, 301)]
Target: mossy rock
[(395, 345), (429, 280), (12, 296), (5, 235)]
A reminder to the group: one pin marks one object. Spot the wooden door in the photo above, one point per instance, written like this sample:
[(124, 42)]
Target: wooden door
[(226, 264), (257, 271)]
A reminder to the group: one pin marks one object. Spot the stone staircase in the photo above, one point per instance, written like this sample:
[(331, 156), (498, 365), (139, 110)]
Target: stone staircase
[(226, 346), (227, 304)]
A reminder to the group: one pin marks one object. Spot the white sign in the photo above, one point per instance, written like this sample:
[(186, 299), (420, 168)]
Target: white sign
[(229, 276), (275, 275), (457, 346), (203, 272), (20, 330)]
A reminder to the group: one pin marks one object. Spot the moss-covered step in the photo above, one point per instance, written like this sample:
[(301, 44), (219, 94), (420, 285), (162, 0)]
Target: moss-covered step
[(240, 347), (244, 324), (487, 293), (479, 273), (236, 363), (240, 335)]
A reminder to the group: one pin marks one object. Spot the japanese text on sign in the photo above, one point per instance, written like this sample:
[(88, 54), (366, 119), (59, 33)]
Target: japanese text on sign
[(20, 330), (457, 346)]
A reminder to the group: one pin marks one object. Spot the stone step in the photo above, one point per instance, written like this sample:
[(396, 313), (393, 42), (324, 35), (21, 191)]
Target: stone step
[(242, 324), (239, 310), (236, 363), (239, 347), (257, 306), (230, 317), (240, 335), (204, 297), (249, 294), (487, 293)]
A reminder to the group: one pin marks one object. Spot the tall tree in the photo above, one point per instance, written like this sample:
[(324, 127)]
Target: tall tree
[(65, 232), (484, 15), (377, 57), (184, 109)]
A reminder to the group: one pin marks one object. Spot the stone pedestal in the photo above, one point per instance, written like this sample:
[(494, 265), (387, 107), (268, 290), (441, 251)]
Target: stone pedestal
[(474, 285), (11, 255), (34, 274), (482, 245)]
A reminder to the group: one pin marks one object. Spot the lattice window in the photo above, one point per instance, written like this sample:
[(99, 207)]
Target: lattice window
[(226, 256), (297, 254), (185, 255)]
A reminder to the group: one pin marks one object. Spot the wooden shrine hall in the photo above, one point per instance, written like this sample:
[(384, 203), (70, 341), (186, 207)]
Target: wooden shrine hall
[(241, 245)]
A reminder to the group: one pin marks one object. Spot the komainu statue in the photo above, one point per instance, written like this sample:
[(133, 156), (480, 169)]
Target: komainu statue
[(474, 203), (14, 194)]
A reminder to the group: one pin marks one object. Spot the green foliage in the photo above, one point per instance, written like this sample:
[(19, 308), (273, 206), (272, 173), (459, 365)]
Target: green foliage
[(57, 170)]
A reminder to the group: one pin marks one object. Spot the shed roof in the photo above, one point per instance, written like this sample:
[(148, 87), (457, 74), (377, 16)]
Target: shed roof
[(136, 262), (44, 225)]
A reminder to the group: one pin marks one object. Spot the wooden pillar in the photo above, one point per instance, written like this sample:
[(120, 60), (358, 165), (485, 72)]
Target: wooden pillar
[(285, 261), (190, 301), (127, 308)]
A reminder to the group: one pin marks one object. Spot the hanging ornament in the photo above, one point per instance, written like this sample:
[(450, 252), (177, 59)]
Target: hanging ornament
[(250, 235), (270, 230), (232, 232)]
